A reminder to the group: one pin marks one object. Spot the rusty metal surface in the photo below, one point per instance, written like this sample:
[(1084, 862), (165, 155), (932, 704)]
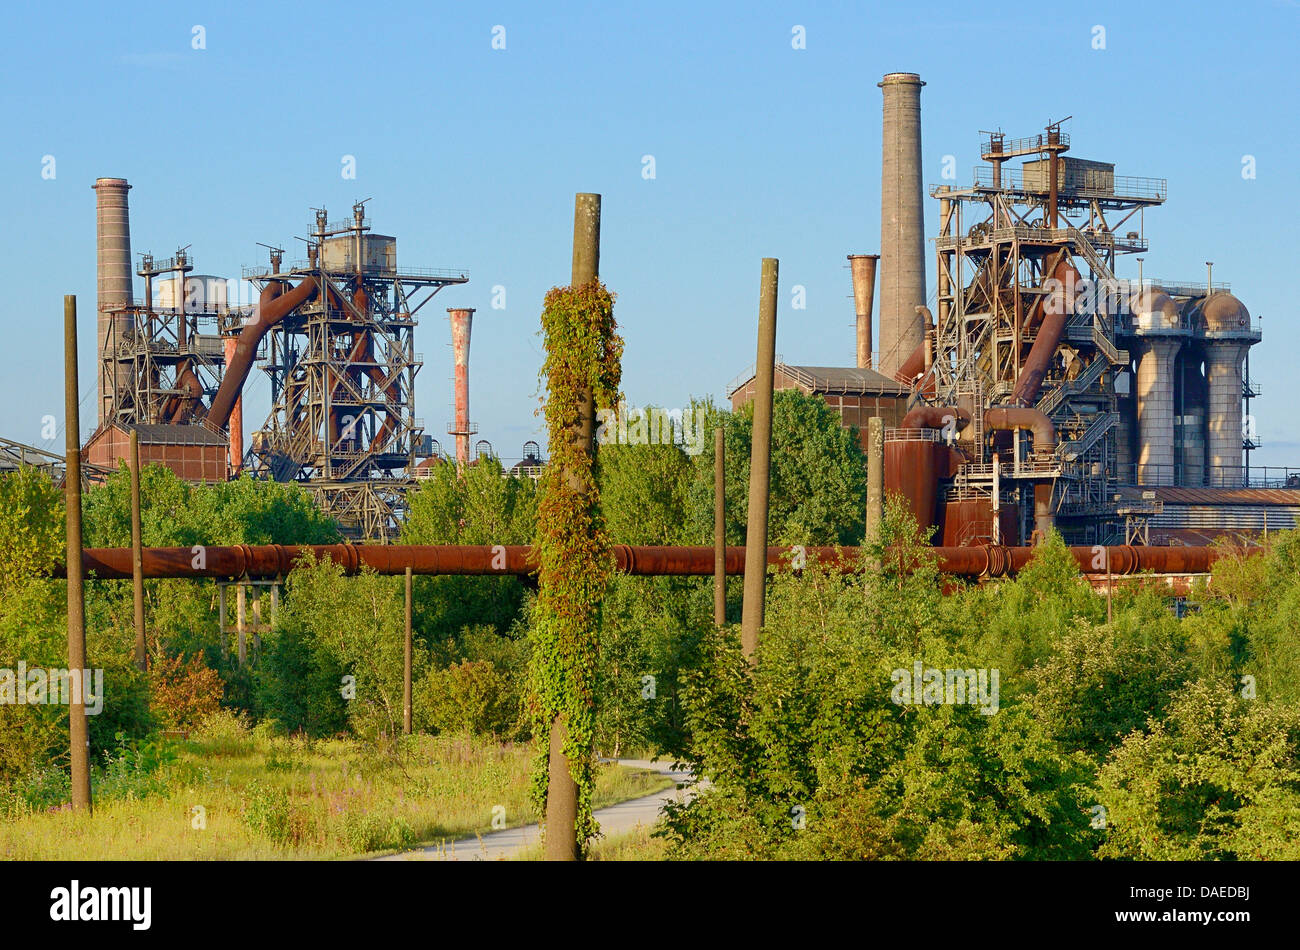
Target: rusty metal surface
[(272, 560)]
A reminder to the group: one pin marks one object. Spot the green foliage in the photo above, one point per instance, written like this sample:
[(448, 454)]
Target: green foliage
[(1217, 779), (482, 507), (818, 476), (582, 372), (332, 626), (32, 524)]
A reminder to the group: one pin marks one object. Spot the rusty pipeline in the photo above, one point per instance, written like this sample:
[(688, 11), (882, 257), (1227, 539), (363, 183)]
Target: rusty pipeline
[(276, 560)]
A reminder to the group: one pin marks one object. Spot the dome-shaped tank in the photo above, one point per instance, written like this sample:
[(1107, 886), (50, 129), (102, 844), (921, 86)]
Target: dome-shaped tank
[(1153, 309), (1221, 312)]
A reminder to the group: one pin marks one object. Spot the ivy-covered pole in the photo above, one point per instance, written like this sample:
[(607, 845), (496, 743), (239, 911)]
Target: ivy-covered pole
[(582, 371), (751, 620)]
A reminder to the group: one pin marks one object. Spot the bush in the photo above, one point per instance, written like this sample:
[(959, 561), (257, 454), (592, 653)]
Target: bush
[(472, 696), (183, 693)]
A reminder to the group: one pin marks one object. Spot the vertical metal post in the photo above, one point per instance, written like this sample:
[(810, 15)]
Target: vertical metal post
[(137, 555), (719, 526), (241, 620), (78, 731), (760, 463), (221, 615), (406, 667), (257, 621)]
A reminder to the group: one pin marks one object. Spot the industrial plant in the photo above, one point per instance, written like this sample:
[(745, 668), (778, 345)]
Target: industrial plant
[(1033, 388), (334, 333), (1029, 388)]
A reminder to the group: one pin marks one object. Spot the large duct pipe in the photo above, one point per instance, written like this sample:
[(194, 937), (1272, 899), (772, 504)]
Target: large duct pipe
[(1055, 307), (1003, 419), (274, 560), (462, 319), (236, 426), (902, 221), (863, 267), (1008, 419), (113, 276), (273, 306)]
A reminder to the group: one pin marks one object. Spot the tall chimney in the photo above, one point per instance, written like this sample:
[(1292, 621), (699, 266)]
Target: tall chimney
[(902, 222), (461, 320), (864, 289), (113, 270)]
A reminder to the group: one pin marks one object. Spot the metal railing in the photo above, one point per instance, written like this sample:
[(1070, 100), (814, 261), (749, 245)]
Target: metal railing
[(913, 435), (1024, 145), (1119, 187), (1224, 476)]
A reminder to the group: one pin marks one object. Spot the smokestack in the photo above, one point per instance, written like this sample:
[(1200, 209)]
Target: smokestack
[(864, 290), (461, 320), (113, 271), (902, 221)]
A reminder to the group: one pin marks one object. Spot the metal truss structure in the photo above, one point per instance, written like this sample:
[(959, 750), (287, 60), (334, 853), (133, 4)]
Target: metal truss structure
[(342, 369), (170, 360), (999, 242)]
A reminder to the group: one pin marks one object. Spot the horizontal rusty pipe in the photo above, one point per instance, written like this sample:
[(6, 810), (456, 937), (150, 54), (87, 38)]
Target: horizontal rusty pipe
[(935, 417), (272, 307), (272, 560)]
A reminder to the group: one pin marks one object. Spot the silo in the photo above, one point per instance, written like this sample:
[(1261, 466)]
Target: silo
[(1228, 334), (1156, 322), (902, 222), (113, 273)]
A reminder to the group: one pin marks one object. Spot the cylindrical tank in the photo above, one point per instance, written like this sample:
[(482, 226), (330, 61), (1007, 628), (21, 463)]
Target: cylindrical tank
[(1226, 323), (911, 470), (204, 293), (1154, 396), (113, 273), (969, 521), (902, 221)]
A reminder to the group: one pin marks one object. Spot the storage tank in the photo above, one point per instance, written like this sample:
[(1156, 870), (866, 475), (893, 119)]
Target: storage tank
[(204, 293)]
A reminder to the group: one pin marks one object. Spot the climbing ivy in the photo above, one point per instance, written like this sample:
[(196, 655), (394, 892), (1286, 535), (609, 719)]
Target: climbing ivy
[(583, 361)]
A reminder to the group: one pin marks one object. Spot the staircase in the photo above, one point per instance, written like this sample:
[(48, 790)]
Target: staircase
[(1085, 380), (1100, 426), (1116, 356)]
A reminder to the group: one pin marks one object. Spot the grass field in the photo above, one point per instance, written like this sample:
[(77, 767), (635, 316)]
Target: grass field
[(227, 793)]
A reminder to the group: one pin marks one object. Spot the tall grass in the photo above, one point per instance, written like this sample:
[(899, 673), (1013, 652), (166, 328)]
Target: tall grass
[(231, 793)]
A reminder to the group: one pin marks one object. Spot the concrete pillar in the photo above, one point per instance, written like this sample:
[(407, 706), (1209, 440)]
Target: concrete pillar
[(113, 268), (902, 221), (1223, 372), (1154, 392)]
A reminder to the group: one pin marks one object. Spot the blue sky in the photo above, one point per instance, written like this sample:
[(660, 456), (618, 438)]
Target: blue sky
[(471, 156)]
